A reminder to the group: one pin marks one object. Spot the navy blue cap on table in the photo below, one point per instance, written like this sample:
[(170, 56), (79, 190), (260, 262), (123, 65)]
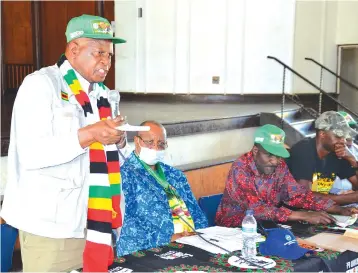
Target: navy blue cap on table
[(282, 243)]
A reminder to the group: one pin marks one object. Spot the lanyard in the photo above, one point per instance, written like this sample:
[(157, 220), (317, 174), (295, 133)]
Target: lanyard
[(159, 177)]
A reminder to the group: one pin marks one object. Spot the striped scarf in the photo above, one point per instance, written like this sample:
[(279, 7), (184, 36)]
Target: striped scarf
[(104, 179), (178, 207)]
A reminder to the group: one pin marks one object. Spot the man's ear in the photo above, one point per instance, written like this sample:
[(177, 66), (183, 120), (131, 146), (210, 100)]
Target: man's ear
[(321, 134), (73, 49), (255, 150)]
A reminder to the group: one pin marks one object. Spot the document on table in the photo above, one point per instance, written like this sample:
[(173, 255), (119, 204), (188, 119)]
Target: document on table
[(345, 221), (227, 238)]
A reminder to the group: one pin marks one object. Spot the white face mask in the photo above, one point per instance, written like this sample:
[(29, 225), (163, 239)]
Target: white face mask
[(150, 156)]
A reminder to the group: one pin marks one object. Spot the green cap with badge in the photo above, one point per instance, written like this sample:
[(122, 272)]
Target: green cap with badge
[(272, 139), (349, 119), (90, 26), (335, 122)]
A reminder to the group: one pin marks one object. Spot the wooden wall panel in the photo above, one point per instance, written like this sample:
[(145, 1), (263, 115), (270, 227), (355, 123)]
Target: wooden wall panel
[(54, 18), (17, 32), (208, 181), (53, 31)]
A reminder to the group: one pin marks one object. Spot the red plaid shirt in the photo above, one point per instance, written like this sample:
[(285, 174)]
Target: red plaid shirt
[(247, 189)]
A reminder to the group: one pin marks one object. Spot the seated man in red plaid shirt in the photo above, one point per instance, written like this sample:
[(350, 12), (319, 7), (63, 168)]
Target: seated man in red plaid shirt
[(261, 181)]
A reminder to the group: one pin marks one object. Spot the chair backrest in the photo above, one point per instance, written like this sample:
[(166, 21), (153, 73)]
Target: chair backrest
[(209, 205), (8, 239)]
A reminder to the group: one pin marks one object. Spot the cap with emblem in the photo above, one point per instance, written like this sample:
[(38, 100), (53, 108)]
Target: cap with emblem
[(335, 122), (90, 26), (272, 139), (350, 120), (282, 243)]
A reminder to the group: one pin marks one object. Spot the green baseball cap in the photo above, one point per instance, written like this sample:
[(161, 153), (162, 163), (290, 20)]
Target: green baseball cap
[(272, 139), (90, 26)]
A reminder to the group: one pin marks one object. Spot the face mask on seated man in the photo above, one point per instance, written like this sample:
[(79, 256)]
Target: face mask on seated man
[(159, 204), (151, 156)]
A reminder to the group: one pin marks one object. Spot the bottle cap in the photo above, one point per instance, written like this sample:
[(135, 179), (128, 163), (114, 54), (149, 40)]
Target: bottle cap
[(249, 212)]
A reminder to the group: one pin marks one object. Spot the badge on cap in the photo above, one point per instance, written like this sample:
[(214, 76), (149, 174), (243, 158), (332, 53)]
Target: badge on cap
[(278, 139), (101, 27)]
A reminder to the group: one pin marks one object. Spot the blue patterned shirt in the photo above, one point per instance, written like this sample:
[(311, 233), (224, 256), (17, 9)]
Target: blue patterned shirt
[(148, 218)]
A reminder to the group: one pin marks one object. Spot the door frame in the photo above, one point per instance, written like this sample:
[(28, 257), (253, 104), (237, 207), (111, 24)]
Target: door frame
[(339, 58)]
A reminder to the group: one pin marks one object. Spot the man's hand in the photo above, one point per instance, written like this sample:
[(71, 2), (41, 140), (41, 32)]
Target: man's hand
[(342, 210), (103, 131), (312, 217), (348, 211), (346, 192), (177, 236), (343, 152)]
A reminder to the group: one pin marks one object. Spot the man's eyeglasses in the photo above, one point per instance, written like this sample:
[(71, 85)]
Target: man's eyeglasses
[(150, 144)]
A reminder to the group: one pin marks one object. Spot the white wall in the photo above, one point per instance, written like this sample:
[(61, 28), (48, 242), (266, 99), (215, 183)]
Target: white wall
[(179, 45), (347, 22), (201, 147), (315, 34), (320, 27)]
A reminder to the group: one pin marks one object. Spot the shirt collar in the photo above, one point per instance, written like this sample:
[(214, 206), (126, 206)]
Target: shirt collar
[(83, 82), (86, 84)]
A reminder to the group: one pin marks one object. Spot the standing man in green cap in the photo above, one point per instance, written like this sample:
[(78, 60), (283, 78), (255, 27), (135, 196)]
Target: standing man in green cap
[(260, 181), (316, 162), (63, 157)]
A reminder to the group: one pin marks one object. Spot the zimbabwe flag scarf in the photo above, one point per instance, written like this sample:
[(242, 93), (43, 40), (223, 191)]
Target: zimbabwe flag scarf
[(104, 179)]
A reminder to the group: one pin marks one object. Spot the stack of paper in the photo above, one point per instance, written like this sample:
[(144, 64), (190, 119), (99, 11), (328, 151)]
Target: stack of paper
[(229, 239), (345, 221)]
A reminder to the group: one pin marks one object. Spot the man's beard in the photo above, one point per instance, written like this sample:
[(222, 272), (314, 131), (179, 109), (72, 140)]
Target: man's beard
[(265, 169)]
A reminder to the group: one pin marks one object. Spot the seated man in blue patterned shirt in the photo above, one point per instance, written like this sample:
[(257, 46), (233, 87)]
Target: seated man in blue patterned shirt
[(159, 204)]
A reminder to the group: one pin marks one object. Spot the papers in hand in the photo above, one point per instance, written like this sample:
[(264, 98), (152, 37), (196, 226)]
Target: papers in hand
[(131, 128), (345, 221), (227, 238)]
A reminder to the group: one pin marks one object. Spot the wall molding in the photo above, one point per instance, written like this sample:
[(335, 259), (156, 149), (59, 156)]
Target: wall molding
[(188, 127)]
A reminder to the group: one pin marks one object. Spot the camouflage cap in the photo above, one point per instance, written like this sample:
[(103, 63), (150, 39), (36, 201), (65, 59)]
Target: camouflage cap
[(335, 122)]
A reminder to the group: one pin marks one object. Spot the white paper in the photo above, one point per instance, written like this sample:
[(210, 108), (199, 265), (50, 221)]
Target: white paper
[(345, 221), (132, 128), (227, 238), (260, 260)]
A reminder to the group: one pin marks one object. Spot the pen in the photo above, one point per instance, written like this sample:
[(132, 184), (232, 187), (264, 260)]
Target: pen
[(214, 240)]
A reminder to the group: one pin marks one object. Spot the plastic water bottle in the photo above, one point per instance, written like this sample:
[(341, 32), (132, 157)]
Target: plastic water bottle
[(249, 234)]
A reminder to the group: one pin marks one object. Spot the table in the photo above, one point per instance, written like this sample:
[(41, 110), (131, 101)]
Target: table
[(179, 257)]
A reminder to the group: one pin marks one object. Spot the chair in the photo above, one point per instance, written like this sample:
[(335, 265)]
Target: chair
[(8, 239), (209, 205)]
